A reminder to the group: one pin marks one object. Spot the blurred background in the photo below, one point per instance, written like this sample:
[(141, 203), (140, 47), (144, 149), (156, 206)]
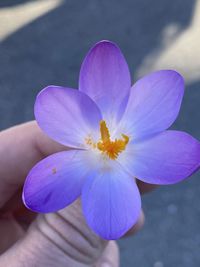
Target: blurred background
[(43, 42)]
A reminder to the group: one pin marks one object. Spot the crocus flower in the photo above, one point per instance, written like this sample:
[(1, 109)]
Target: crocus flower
[(116, 133)]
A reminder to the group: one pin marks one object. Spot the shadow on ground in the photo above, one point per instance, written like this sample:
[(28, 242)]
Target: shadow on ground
[(7, 3)]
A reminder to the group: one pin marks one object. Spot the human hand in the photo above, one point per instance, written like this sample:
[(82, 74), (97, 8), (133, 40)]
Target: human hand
[(53, 239)]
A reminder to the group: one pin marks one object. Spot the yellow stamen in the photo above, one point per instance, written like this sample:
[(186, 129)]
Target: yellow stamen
[(105, 135), (109, 147), (90, 142)]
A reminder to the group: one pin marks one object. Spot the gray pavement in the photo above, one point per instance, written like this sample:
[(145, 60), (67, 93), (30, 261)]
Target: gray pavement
[(49, 49)]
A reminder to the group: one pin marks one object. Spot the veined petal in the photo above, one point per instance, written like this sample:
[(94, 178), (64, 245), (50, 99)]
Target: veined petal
[(165, 158), (105, 77), (153, 104), (111, 202), (67, 115), (56, 181)]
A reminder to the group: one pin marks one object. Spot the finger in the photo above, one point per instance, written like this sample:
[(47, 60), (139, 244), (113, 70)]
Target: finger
[(110, 257), (139, 224), (57, 239), (14, 219), (144, 187), (16, 207), (10, 232), (20, 148)]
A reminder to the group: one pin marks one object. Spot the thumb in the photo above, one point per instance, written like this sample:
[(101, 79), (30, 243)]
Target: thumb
[(57, 239)]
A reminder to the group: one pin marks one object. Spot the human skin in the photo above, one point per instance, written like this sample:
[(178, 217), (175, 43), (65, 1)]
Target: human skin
[(55, 239)]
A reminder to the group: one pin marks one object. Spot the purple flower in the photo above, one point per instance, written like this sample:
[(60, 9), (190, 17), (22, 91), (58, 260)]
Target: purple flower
[(116, 132)]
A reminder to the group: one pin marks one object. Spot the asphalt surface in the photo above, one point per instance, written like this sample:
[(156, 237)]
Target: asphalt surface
[(49, 50)]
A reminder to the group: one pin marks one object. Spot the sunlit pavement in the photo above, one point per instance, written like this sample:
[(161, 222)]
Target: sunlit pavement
[(43, 42)]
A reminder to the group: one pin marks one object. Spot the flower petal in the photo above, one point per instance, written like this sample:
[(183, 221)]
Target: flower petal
[(166, 158), (56, 181), (67, 115), (111, 202), (153, 104), (105, 77)]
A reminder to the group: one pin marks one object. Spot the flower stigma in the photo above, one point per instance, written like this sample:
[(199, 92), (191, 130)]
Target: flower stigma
[(107, 146)]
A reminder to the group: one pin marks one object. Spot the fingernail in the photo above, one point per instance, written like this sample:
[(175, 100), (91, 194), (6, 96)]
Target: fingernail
[(106, 265)]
